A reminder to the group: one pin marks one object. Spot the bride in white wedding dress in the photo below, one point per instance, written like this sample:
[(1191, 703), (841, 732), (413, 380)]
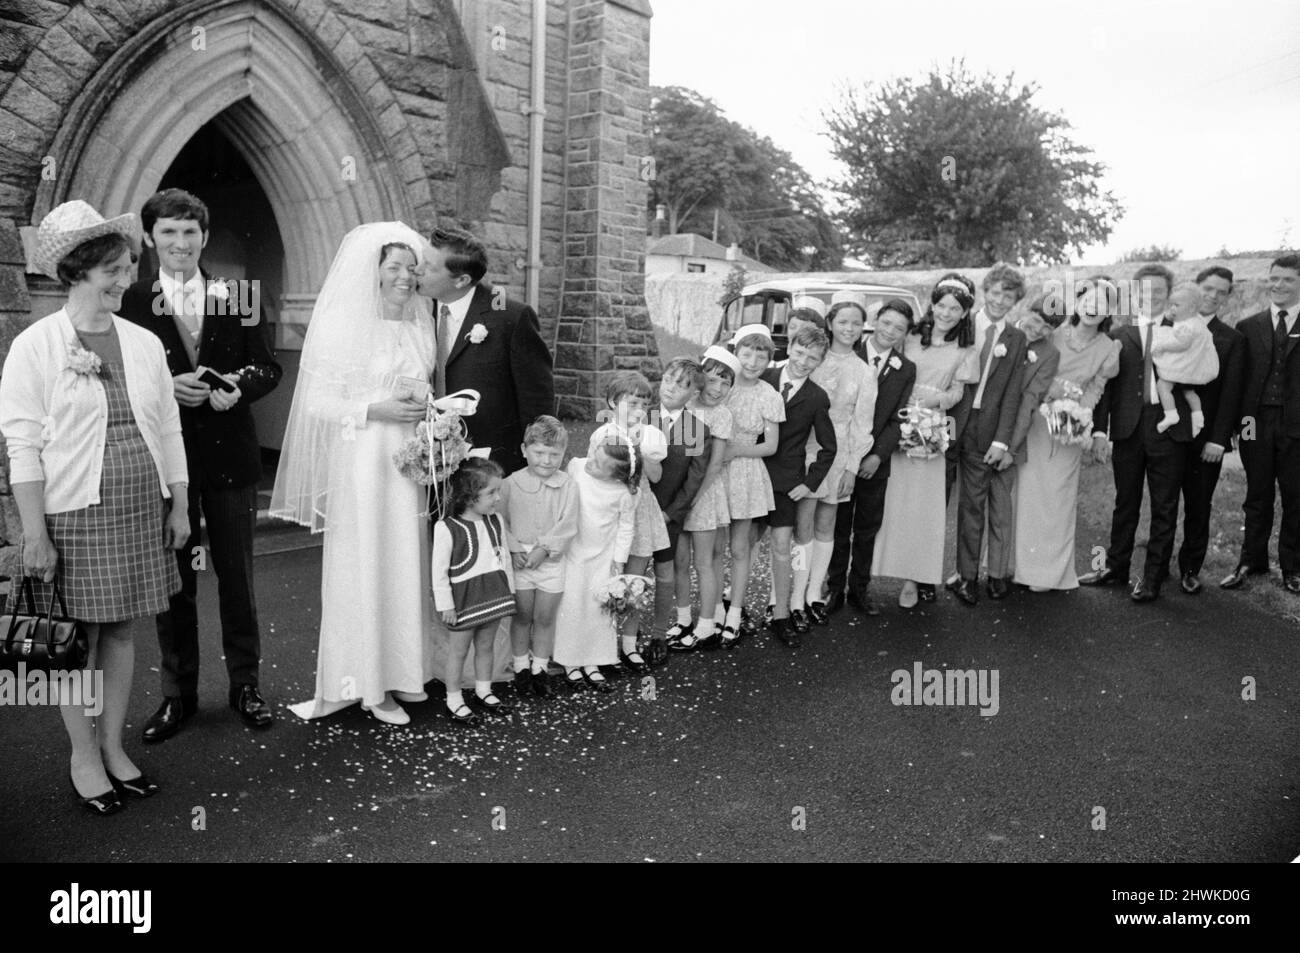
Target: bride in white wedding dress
[(368, 353)]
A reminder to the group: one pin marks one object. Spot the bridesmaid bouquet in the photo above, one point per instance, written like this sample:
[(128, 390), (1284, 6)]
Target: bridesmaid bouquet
[(620, 596), (1068, 422), (430, 457), (924, 432)]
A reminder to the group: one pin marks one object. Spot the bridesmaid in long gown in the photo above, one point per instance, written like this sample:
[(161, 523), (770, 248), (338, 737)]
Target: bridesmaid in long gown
[(1048, 486), (910, 543)]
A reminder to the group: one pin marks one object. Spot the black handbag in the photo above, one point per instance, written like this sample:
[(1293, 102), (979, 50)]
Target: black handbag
[(41, 642)]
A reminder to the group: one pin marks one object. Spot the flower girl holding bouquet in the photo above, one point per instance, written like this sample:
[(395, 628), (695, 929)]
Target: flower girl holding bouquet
[(607, 481)]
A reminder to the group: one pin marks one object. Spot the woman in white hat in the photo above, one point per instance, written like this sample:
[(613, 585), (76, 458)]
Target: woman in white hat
[(95, 454)]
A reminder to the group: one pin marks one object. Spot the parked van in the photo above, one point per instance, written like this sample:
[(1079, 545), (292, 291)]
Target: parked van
[(770, 302)]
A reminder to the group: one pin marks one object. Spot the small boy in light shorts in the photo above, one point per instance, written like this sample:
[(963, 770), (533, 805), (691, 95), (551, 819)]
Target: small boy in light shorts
[(540, 507)]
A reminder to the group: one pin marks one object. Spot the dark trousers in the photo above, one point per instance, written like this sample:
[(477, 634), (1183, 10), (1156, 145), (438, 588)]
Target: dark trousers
[(1160, 461), (230, 516), (982, 497), (1199, 480), (857, 521), (1271, 458)]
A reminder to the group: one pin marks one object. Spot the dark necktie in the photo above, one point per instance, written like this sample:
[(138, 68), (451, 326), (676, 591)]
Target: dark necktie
[(785, 391), (440, 359), (876, 362), (1279, 336), (1148, 365)]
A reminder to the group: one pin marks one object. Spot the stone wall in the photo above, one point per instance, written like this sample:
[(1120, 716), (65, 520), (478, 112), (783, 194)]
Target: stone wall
[(604, 325)]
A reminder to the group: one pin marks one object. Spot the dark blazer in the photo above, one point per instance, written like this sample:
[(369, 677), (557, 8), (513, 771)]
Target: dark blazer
[(511, 369), (1257, 330), (1039, 375), (690, 447), (893, 391), (1221, 397), (1003, 393), (1120, 408), (809, 411), (222, 446)]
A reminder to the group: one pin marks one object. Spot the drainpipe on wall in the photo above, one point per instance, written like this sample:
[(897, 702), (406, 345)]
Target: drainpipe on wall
[(536, 121)]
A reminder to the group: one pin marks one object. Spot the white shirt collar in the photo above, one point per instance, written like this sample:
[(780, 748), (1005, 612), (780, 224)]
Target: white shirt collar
[(459, 309), (795, 383), (872, 354), (1291, 313), (171, 287)]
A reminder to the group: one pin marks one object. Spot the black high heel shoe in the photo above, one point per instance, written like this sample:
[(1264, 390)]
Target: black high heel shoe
[(101, 805), (139, 787)]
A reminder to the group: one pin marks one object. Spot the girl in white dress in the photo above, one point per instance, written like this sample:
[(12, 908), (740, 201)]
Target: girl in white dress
[(607, 482)]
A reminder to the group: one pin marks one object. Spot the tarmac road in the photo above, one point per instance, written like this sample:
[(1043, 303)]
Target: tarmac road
[(763, 753)]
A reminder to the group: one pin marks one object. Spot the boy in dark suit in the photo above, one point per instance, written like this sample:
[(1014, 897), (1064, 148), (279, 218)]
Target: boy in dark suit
[(1220, 402), (807, 411), (858, 521), (689, 452), (199, 325), (488, 343), (1270, 427)]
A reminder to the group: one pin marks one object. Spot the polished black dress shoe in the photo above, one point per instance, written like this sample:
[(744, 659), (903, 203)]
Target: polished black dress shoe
[(1191, 583), (101, 805), (246, 700), (834, 602), (799, 622), (925, 592), (998, 588), (861, 601), (1144, 591), (1103, 577), (492, 703), (656, 653), (540, 685), (523, 683), (633, 662), (967, 591), (139, 787), (169, 717), (782, 630), (1291, 581), (1237, 578), (818, 614)]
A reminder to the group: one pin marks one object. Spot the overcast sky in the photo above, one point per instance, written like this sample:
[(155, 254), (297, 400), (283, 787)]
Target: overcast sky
[(1193, 105)]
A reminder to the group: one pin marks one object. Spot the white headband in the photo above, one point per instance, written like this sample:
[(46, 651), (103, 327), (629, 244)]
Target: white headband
[(748, 329), (953, 283)]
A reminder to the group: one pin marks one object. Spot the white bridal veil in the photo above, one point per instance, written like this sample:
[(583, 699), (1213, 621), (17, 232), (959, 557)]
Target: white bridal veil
[(336, 381)]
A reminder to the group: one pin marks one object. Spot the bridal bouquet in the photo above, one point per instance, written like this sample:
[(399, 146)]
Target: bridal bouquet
[(430, 457), (1068, 422), (620, 596), (924, 432)]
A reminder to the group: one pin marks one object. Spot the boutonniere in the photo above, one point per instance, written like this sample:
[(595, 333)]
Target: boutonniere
[(217, 289), (83, 362), (477, 334), (1033, 357), (895, 363), (999, 350)]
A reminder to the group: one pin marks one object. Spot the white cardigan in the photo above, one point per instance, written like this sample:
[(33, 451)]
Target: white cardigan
[(55, 422)]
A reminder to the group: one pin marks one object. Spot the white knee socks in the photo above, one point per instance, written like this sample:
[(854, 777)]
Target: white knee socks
[(819, 563), (799, 563)]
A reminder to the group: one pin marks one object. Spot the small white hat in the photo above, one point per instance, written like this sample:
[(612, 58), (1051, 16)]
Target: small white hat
[(748, 329), (808, 301), (72, 223), (720, 354)]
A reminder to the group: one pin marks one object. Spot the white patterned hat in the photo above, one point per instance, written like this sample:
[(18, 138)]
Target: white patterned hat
[(72, 223)]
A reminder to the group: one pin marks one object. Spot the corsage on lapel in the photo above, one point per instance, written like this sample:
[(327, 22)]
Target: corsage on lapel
[(895, 363), (477, 334), (1032, 356), (84, 362)]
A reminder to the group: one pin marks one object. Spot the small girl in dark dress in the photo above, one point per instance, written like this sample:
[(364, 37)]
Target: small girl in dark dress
[(473, 583)]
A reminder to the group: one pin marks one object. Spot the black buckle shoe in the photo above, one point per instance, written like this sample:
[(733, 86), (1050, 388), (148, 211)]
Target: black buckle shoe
[(818, 614), (492, 703), (925, 592), (968, 592), (799, 622), (248, 701), (633, 662), (540, 683), (169, 717)]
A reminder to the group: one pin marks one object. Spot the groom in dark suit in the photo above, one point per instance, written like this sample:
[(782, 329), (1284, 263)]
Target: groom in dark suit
[(1127, 415), (200, 325), (488, 343), (1270, 427), (1220, 402), (857, 521)]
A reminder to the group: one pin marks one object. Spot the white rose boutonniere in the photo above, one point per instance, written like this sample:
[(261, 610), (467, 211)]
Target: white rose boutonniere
[(1000, 350), (477, 334), (895, 363), (217, 289), (1033, 358)]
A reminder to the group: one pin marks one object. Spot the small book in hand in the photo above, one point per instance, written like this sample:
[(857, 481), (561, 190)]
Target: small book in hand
[(213, 379), (411, 388)]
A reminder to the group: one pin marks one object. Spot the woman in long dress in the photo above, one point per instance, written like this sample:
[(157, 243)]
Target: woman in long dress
[(910, 542), (851, 385), (366, 363), (1048, 484)]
